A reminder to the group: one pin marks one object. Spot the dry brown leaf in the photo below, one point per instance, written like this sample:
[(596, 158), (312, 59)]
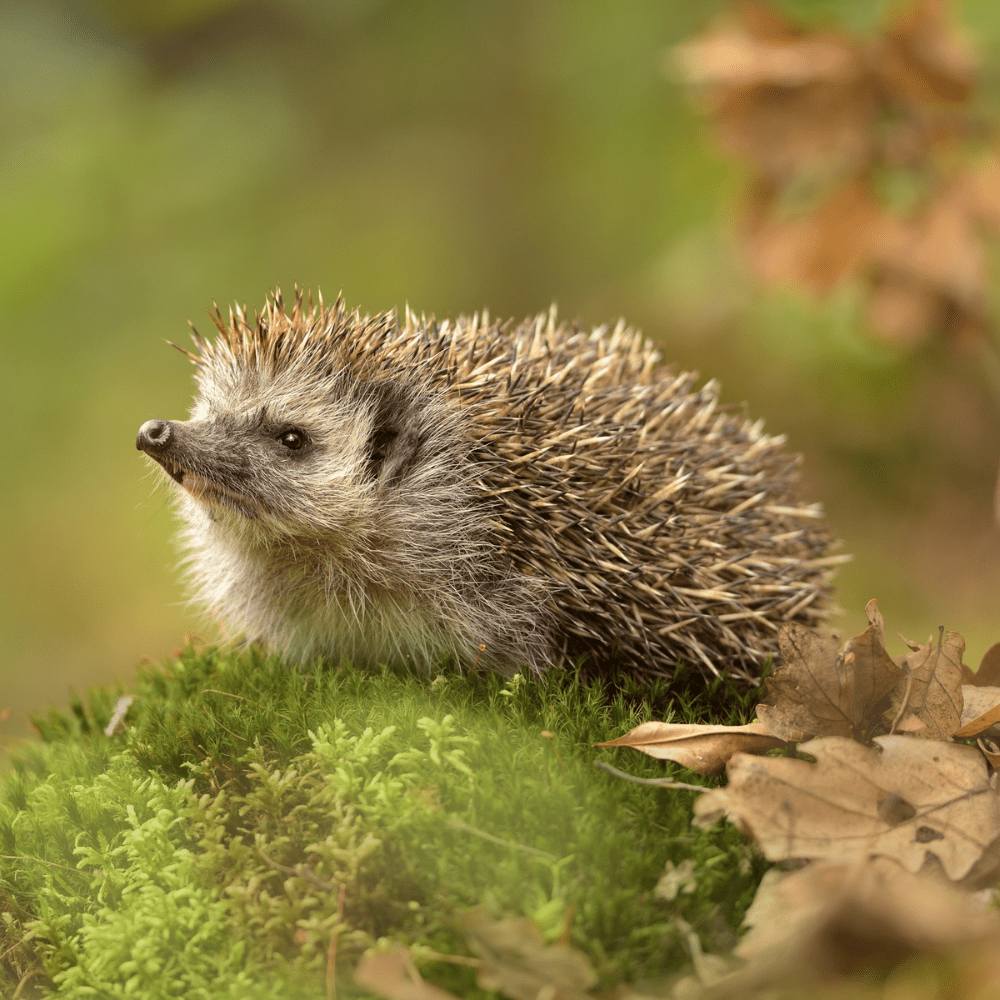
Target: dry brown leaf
[(763, 21), (903, 312), (823, 118), (821, 692), (933, 692), (675, 880), (818, 250), (984, 876), (909, 724), (923, 59), (988, 674), (392, 975), (980, 710), (879, 671), (991, 751), (914, 799), (876, 673), (979, 188), (928, 272), (704, 749), (708, 969), (828, 919), (784, 131), (735, 57), (784, 100), (518, 963), (937, 247)]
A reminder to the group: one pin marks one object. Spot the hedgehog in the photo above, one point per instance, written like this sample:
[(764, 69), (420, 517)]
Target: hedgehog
[(507, 495)]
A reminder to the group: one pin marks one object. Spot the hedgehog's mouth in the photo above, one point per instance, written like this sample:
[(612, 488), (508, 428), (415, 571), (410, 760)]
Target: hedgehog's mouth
[(191, 481), (207, 490), (172, 469)]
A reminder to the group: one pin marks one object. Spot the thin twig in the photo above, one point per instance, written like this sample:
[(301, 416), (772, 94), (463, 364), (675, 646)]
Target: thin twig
[(437, 956), (218, 723), (15, 946), (301, 871), (239, 697), (683, 786), (42, 861), (904, 704), (460, 824), (24, 980)]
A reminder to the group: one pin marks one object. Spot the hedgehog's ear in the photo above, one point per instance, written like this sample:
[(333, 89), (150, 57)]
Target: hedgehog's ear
[(395, 439)]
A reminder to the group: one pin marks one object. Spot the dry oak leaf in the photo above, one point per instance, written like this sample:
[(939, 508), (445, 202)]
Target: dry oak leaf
[(392, 975), (704, 749), (936, 248), (991, 752), (978, 187), (819, 692), (929, 705), (819, 249), (903, 312), (922, 59), (988, 674), (518, 963), (830, 918), (915, 798), (734, 57), (980, 711), (782, 99)]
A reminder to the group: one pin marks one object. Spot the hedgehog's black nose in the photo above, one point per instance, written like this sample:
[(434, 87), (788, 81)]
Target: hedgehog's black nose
[(154, 435)]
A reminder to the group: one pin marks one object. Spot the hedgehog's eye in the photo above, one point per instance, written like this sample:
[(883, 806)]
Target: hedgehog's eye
[(292, 440)]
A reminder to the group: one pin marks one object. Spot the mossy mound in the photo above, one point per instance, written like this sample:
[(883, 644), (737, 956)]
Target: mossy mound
[(249, 815)]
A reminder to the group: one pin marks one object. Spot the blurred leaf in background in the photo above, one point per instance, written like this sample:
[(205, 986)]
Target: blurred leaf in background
[(158, 155), (866, 160)]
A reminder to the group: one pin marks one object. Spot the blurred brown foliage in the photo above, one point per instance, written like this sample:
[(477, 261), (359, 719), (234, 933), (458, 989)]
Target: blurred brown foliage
[(866, 161)]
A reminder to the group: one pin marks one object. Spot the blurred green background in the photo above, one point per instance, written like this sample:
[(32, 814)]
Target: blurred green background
[(161, 154)]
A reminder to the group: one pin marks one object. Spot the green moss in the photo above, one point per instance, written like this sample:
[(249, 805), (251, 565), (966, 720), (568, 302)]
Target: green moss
[(251, 813), (101, 893)]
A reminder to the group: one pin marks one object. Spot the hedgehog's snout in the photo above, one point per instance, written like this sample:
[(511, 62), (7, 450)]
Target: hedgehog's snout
[(154, 436)]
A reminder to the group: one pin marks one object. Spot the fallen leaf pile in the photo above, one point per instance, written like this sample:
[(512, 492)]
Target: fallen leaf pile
[(865, 160), (884, 827), (894, 822)]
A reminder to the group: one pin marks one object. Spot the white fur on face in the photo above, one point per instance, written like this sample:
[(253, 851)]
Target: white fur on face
[(333, 563)]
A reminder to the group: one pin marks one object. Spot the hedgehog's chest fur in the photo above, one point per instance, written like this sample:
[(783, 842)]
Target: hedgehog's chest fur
[(359, 488), (312, 597)]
